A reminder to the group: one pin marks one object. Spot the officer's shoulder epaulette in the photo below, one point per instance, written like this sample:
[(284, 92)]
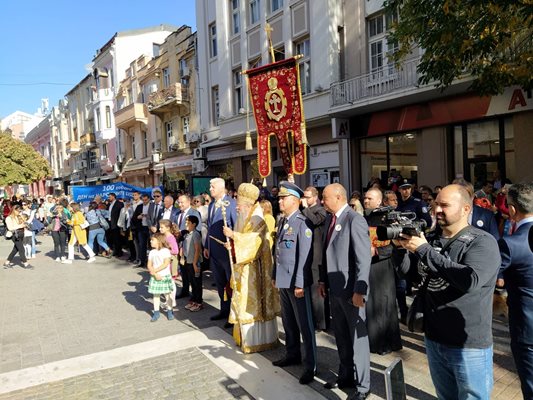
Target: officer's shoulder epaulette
[(301, 216), (416, 199)]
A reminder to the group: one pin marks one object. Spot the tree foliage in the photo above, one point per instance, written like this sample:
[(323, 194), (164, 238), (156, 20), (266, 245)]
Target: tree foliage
[(489, 39), (20, 163)]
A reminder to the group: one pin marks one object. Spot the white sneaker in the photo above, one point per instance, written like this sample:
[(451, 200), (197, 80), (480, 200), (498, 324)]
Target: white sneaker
[(91, 260), (33, 256), (58, 259), (66, 262), (63, 258)]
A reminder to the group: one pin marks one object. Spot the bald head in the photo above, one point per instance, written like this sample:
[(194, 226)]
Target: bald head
[(334, 197)]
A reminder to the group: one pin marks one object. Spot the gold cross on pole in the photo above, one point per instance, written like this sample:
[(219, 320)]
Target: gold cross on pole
[(268, 30)]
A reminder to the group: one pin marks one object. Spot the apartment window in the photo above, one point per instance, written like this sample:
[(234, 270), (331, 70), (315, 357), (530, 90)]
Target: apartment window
[(166, 77), (237, 90), (279, 53), (98, 121), (215, 105), (107, 117), (254, 11), (133, 154), (93, 162), (168, 129), (378, 45), (145, 143), (235, 17), (303, 48), (275, 5), (143, 97), (213, 51), (130, 96), (104, 151), (185, 124)]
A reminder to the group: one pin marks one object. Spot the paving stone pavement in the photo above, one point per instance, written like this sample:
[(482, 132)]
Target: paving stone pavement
[(186, 374), (58, 311)]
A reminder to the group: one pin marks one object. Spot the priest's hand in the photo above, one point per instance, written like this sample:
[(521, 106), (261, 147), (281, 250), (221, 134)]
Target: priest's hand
[(228, 232), (299, 292), (322, 289), (358, 300)]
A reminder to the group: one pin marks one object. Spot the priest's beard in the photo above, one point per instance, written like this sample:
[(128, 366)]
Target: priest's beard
[(241, 220)]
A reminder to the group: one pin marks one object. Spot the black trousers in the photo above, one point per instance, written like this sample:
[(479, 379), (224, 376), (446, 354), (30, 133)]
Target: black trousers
[(18, 246), (523, 358), (143, 235), (221, 272), (297, 318), (186, 280), (115, 241), (196, 283), (60, 241)]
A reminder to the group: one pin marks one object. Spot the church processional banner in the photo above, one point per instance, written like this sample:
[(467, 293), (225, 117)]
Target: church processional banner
[(278, 110)]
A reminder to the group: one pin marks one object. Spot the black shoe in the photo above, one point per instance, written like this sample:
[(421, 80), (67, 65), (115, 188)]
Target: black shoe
[(182, 295), (218, 316), (228, 325), (403, 320), (307, 377), (341, 384), (286, 361), (358, 396)]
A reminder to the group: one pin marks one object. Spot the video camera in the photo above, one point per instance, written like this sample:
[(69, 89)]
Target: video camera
[(397, 222)]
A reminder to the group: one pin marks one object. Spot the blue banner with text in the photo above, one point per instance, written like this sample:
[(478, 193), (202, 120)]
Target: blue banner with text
[(122, 190)]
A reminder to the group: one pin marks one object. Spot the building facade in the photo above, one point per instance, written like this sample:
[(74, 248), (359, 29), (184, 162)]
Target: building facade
[(232, 37), (39, 139), (395, 127)]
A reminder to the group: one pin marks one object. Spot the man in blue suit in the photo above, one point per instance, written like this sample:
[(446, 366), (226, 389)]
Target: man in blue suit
[(517, 273), (215, 249), (185, 210), (293, 275), (344, 271)]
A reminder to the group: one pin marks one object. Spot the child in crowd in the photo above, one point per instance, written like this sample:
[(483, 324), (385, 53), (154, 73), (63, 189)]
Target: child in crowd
[(160, 278), (28, 235), (171, 231), (191, 253)]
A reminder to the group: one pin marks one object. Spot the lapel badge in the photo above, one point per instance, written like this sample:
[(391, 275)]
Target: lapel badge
[(338, 227)]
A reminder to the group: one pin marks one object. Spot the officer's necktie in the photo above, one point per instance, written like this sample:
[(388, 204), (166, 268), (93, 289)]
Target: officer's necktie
[(330, 229)]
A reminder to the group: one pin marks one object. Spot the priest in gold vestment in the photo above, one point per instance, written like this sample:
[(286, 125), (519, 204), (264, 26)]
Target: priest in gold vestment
[(255, 303)]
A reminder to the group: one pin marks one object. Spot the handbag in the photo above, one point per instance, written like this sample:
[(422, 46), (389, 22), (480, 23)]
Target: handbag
[(103, 222), (36, 225), (84, 225), (415, 314)]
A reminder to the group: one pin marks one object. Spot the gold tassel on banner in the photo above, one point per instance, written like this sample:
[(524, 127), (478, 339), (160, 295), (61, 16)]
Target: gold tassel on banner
[(304, 134), (264, 182), (248, 145)]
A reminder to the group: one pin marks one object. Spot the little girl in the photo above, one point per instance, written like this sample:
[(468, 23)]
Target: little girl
[(160, 277), (170, 231)]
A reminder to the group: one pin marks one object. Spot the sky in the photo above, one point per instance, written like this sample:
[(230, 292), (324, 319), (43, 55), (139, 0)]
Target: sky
[(53, 41)]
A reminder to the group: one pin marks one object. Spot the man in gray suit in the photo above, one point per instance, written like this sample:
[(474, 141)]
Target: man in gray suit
[(293, 277), (344, 271)]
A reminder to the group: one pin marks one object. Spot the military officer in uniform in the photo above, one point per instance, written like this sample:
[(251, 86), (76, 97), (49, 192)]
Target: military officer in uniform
[(409, 203), (293, 276)]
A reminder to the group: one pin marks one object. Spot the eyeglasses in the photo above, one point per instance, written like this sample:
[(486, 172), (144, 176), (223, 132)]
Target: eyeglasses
[(157, 195)]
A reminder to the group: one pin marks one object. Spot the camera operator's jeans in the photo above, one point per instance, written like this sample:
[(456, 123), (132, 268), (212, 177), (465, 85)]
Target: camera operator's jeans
[(460, 373)]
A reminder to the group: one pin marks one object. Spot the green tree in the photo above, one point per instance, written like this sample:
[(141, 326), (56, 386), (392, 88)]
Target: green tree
[(20, 163), (489, 39)]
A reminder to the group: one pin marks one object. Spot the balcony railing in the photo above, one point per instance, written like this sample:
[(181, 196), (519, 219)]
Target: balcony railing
[(165, 99), (383, 81), (72, 147), (131, 114)]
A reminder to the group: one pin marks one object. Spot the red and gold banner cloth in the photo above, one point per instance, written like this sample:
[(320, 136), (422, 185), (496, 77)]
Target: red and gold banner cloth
[(278, 110)]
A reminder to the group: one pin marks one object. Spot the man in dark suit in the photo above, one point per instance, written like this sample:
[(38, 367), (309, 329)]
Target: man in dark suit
[(139, 221), (316, 214), (517, 272), (114, 230), (169, 211), (185, 209), (344, 271), (155, 211), (215, 250), (293, 276)]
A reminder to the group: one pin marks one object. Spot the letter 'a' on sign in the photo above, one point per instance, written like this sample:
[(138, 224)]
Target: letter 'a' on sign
[(340, 128)]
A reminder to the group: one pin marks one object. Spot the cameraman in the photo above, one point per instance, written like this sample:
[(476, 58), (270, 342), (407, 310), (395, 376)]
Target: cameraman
[(382, 314), (458, 299)]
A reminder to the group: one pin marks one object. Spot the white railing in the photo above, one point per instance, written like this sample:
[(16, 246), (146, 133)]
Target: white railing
[(377, 83)]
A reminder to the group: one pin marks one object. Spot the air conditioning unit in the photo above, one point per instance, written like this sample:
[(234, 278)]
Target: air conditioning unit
[(156, 157), (199, 153), (198, 166), (83, 164), (157, 145)]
